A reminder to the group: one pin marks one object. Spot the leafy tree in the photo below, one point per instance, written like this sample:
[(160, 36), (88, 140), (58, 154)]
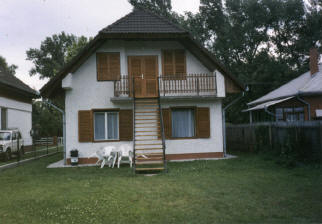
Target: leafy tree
[(11, 69), (76, 47), (54, 53), (46, 120), (159, 6)]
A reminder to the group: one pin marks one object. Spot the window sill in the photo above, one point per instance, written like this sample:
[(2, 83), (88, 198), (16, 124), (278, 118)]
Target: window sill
[(182, 138)]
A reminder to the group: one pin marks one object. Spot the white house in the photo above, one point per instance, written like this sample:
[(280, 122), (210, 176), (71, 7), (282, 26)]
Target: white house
[(146, 56), (16, 105)]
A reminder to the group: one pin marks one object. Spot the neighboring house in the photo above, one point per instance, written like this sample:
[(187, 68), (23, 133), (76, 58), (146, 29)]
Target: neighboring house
[(16, 105), (160, 58), (298, 100)]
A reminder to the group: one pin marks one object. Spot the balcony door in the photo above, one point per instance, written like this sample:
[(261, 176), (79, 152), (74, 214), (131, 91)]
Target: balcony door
[(144, 70)]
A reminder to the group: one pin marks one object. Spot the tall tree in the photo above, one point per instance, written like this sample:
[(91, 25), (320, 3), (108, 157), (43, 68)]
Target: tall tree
[(160, 6), (54, 53), (46, 120), (10, 69)]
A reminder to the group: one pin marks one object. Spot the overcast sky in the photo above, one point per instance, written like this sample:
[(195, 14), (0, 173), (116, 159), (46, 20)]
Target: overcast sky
[(25, 23)]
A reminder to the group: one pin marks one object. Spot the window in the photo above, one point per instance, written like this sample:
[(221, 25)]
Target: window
[(108, 66), (279, 114), (14, 136), (106, 126), (183, 123), (290, 114)]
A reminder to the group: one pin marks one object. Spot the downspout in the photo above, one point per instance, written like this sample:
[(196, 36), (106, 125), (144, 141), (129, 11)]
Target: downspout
[(224, 119), (64, 124), (308, 106), (270, 113)]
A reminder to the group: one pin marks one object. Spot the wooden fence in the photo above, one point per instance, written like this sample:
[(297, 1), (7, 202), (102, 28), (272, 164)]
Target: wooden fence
[(303, 137)]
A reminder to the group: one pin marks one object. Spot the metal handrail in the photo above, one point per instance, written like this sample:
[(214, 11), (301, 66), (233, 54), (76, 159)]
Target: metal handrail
[(162, 129), (133, 114)]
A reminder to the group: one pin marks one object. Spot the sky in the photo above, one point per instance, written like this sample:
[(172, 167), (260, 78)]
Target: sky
[(25, 23)]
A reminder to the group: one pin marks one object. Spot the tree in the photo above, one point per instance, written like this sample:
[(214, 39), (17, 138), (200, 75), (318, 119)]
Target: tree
[(159, 6), (10, 69), (46, 120), (54, 53)]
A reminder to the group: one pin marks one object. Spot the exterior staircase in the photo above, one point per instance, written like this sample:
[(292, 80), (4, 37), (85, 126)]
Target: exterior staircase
[(148, 136)]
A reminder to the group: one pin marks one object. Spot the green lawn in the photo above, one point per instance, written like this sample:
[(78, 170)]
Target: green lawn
[(35, 152), (248, 189)]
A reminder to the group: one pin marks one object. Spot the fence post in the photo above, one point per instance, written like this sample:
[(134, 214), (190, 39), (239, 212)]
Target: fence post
[(35, 147), (47, 144), (320, 141), (270, 135)]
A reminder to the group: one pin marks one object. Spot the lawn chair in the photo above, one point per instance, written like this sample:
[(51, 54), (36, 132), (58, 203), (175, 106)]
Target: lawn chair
[(104, 155), (125, 151)]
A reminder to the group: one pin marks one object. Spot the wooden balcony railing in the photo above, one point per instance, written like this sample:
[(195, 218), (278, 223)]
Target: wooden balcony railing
[(187, 85)]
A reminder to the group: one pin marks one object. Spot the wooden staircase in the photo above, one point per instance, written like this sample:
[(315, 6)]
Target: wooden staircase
[(148, 136)]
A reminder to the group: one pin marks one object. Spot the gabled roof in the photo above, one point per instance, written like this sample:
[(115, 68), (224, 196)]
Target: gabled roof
[(303, 85), (139, 24), (143, 21), (13, 82)]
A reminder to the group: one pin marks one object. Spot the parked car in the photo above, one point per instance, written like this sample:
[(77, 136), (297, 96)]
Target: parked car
[(11, 142)]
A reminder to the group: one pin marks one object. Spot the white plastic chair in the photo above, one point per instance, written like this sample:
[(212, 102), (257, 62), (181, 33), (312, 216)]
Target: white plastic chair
[(104, 155), (125, 150)]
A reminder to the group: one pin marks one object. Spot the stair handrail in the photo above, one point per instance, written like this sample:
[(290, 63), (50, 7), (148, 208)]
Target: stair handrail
[(162, 127), (133, 114)]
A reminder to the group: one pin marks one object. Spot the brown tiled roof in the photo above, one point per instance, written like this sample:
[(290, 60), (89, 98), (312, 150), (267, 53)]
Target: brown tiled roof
[(142, 21), (15, 83)]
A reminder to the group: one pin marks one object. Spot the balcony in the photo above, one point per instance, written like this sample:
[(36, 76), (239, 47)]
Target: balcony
[(192, 85)]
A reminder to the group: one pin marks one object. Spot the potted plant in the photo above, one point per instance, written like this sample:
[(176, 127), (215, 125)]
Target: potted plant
[(74, 157)]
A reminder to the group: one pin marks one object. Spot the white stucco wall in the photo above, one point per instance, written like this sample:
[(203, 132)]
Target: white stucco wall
[(86, 94), (19, 115)]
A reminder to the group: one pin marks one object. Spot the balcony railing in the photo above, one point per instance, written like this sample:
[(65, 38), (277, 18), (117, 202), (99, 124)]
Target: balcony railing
[(171, 85)]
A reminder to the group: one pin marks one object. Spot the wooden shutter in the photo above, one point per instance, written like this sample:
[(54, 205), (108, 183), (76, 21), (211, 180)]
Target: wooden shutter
[(85, 126), (166, 115), (180, 62), (108, 66), (203, 122), (168, 63), (174, 63), (126, 125)]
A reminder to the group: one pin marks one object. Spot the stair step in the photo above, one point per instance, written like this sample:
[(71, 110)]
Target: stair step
[(152, 168), (157, 108), (148, 119), (150, 144), (156, 135), (145, 131), (146, 104), (146, 112), (148, 162), (143, 140), (143, 149), (155, 158), (148, 127), (150, 154), (148, 115), (148, 122)]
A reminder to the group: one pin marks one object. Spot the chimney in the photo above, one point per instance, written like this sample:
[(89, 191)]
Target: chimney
[(314, 60)]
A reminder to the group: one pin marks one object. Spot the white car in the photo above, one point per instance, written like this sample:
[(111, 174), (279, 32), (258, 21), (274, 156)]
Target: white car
[(10, 142)]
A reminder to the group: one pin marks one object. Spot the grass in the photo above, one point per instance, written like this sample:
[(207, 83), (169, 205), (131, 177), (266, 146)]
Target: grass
[(248, 189), (37, 151)]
